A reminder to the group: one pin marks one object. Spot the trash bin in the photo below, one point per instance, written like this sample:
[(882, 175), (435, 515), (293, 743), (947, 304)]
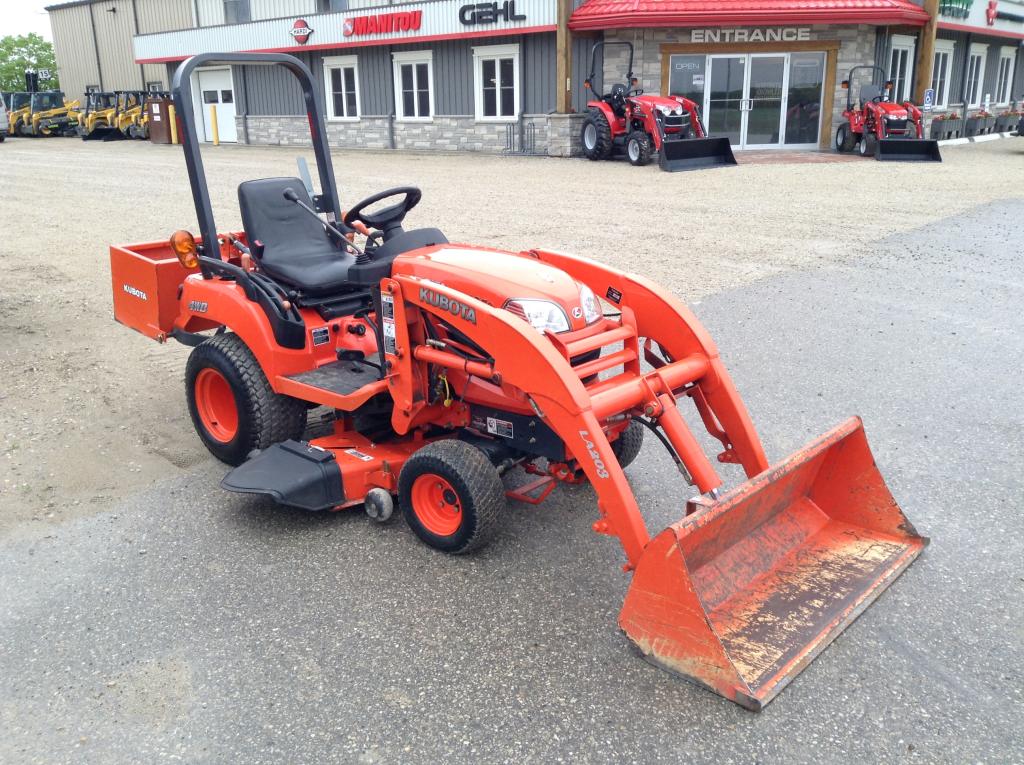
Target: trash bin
[(158, 111)]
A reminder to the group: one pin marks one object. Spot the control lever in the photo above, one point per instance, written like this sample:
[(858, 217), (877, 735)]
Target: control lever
[(291, 196)]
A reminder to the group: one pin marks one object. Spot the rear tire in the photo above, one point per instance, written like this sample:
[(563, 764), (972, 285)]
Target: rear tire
[(845, 139), (451, 496), (233, 408), (596, 136), (627, 446), (638, 148)]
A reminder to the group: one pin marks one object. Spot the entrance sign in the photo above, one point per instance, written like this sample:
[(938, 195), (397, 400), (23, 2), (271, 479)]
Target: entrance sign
[(775, 34)]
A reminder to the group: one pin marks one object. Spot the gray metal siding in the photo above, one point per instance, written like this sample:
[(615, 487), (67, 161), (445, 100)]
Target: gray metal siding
[(581, 47), (1017, 93), (537, 63), (269, 90), (74, 50), (272, 91), (163, 15), (115, 25)]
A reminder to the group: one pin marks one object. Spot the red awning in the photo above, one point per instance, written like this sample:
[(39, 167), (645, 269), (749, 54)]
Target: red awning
[(625, 14)]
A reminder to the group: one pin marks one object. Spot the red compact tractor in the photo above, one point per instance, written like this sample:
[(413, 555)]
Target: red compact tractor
[(624, 120), (882, 128), (447, 367)]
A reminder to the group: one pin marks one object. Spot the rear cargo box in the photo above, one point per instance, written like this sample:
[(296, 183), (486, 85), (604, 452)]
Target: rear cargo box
[(145, 279)]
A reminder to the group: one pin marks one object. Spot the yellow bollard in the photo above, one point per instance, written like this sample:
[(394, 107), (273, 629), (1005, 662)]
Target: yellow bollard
[(174, 123), (213, 124)]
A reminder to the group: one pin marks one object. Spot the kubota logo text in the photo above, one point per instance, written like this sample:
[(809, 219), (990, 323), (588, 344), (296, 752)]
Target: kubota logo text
[(135, 291), (445, 303), (602, 471)]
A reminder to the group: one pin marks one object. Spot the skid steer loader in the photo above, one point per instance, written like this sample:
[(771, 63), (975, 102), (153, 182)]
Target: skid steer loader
[(97, 122), (627, 121), (450, 365)]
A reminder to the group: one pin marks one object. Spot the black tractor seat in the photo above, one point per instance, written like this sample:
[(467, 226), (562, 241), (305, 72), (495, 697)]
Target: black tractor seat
[(300, 254), (297, 251)]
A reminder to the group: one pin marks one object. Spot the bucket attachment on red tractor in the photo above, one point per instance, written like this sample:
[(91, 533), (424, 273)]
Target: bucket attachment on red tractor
[(908, 150), (745, 591), (695, 154)]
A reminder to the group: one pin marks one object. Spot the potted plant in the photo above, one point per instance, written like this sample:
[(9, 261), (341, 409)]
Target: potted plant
[(976, 123), (945, 126)]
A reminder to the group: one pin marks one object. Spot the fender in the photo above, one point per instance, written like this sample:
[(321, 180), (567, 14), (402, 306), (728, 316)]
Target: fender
[(226, 305), (617, 125)]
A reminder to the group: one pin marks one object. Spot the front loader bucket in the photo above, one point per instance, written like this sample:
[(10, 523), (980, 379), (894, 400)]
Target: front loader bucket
[(908, 150), (742, 594), (694, 154)]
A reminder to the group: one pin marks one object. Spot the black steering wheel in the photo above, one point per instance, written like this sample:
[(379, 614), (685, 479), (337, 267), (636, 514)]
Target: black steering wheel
[(388, 220)]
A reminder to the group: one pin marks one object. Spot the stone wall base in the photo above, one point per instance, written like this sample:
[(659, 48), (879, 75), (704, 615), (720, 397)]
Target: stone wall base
[(531, 134)]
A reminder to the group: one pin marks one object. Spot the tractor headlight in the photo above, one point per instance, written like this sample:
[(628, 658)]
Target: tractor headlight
[(591, 308), (665, 110), (543, 315)]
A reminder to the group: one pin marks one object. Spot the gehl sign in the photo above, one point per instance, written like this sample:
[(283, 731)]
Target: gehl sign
[(489, 13)]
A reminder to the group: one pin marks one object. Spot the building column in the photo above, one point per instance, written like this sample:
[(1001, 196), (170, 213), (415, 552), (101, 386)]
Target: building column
[(926, 50), (563, 59)]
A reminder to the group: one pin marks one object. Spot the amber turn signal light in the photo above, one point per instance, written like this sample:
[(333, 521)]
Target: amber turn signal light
[(184, 246)]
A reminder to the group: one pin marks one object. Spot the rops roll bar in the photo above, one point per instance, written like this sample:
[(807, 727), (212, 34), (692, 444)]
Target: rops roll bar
[(181, 90), (593, 62)]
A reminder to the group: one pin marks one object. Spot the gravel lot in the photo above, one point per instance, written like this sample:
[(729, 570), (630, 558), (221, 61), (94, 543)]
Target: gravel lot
[(91, 412)]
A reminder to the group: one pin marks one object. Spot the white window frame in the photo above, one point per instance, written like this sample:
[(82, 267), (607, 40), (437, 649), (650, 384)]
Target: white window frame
[(909, 44), (980, 51), (341, 62), (413, 57), (1005, 95), (945, 48), (494, 53)]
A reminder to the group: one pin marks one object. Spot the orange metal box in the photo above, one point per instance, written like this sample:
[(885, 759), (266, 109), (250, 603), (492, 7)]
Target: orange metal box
[(146, 278)]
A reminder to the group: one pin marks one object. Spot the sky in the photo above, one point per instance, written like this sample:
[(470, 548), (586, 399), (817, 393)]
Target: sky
[(19, 17)]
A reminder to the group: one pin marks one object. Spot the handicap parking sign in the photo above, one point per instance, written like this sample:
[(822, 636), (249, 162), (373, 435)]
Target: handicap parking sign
[(929, 100)]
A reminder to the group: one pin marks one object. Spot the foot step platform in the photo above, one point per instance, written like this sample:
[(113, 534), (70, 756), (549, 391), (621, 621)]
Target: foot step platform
[(341, 377)]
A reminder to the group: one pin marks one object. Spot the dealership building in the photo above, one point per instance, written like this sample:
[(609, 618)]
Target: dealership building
[(509, 75)]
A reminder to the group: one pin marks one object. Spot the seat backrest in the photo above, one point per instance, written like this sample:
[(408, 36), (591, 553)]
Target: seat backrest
[(869, 93), (283, 228)]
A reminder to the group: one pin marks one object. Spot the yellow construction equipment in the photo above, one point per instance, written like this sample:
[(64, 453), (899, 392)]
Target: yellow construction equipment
[(95, 122), (44, 113), (128, 112)]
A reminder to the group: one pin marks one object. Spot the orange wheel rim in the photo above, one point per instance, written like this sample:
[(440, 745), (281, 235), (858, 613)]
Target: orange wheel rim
[(436, 505), (215, 402)]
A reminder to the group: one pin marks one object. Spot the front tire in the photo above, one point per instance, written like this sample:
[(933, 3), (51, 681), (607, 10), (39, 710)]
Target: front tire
[(866, 147), (596, 136), (638, 148), (627, 446), (451, 496), (233, 408)]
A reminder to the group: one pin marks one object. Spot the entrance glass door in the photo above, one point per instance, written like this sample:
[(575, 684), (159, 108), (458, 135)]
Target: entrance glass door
[(764, 100), (766, 83), (724, 97)]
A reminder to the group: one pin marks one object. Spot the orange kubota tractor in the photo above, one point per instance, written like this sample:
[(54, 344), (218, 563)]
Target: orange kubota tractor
[(449, 365)]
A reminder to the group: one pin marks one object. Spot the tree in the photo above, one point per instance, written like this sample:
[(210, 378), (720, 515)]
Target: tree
[(26, 52)]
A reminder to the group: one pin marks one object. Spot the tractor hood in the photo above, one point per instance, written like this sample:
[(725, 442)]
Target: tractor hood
[(495, 277), (655, 101), (889, 109)]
